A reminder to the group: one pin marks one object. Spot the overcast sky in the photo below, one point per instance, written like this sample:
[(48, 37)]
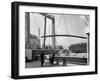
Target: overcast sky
[(64, 24)]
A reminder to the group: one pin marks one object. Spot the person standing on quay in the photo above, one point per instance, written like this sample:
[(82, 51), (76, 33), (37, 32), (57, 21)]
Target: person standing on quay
[(42, 59)]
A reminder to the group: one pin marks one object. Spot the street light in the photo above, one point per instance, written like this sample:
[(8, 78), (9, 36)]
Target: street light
[(88, 37), (86, 20)]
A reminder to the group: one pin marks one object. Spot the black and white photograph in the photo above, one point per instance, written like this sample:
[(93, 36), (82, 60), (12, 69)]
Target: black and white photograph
[(50, 40), (54, 40)]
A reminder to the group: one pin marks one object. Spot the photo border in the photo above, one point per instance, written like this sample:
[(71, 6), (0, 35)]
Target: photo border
[(15, 39)]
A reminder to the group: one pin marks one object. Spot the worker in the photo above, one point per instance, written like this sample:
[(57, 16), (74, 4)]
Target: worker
[(52, 59), (42, 59)]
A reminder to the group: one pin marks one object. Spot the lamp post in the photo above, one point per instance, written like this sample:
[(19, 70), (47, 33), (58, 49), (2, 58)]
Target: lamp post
[(86, 20), (88, 43)]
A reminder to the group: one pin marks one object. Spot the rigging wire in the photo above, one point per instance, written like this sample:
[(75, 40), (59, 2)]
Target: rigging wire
[(35, 21), (66, 28), (59, 23), (66, 25), (84, 18)]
